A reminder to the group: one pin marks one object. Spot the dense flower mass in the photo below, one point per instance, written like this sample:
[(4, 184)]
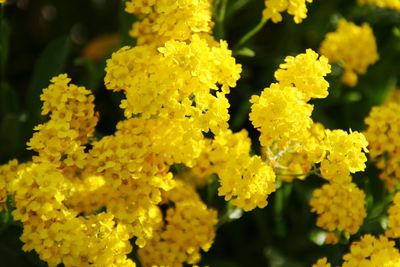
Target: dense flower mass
[(188, 227), (147, 193), (383, 134), (391, 4), (339, 206), (352, 46), (282, 113), (187, 91), (393, 229), (346, 155), (72, 122), (169, 19), (296, 8), (372, 251), (323, 262), (306, 72)]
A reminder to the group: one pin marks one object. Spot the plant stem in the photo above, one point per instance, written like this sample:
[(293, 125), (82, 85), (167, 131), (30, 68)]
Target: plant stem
[(219, 19), (249, 35)]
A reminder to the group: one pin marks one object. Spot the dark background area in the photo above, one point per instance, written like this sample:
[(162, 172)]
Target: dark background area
[(45, 38)]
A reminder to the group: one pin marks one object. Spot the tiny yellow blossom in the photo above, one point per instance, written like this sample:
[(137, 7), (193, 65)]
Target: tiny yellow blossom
[(391, 4), (372, 251), (281, 115), (393, 230), (188, 90), (352, 46), (305, 72), (383, 135), (323, 262), (188, 228), (165, 20), (339, 207), (296, 8), (346, 155)]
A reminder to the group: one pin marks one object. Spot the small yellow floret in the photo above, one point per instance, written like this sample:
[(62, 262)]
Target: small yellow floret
[(352, 46)]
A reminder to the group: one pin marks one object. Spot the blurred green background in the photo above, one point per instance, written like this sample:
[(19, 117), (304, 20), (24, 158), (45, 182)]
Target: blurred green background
[(40, 39)]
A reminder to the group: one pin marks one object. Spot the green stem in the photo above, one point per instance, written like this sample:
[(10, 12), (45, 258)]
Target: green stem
[(219, 19), (249, 35), (313, 171)]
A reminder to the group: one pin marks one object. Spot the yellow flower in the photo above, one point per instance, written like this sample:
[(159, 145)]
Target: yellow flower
[(352, 46), (323, 262), (339, 207), (165, 20), (305, 72), (281, 115), (383, 135), (188, 90), (372, 251), (393, 230), (346, 154), (296, 8), (391, 4), (189, 226)]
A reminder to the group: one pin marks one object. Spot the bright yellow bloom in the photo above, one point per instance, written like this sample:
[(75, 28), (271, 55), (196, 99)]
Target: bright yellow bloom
[(189, 227), (165, 20), (305, 72), (72, 122), (352, 46), (383, 134), (372, 251), (392, 4), (188, 90), (393, 230), (8, 172), (281, 115), (245, 179), (296, 8), (297, 161), (339, 207), (323, 262), (346, 155)]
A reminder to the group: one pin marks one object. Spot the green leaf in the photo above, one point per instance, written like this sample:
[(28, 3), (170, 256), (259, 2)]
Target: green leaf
[(245, 51), (50, 63), (125, 25), (11, 129), (4, 45)]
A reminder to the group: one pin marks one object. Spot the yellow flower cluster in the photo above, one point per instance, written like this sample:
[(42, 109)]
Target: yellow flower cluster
[(345, 155), (245, 179), (296, 8), (293, 143), (188, 227), (188, 91), (373, 252), (352, 46), (323, 262), (81, 200), (71, 124), (7, 174), (393, 227), (164, 20), (369, 251), (339, 206), (191, 94), (383, 134), (391, 4), (282, 113)]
